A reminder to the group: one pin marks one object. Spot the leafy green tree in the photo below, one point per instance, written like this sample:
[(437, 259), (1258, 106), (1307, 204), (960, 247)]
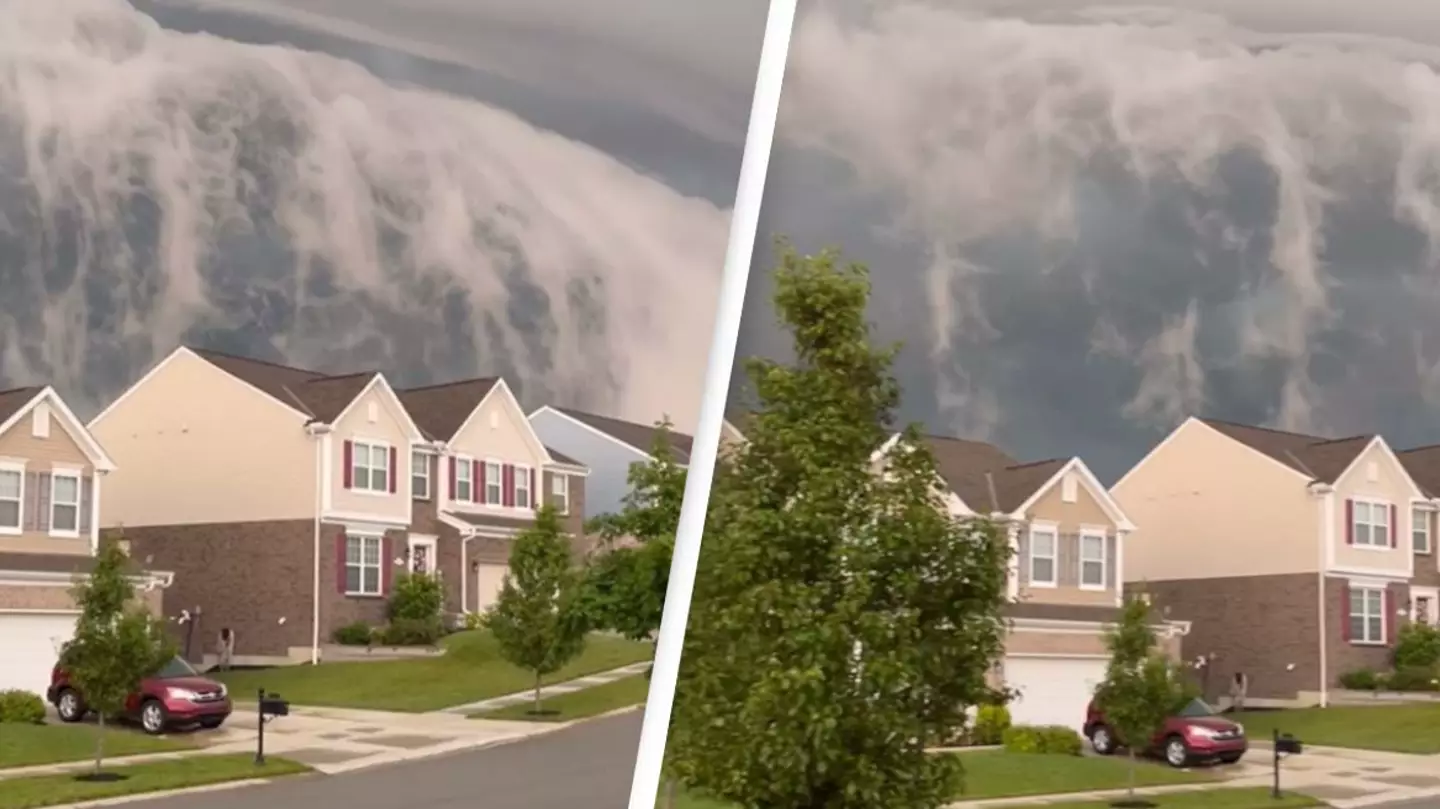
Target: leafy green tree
[(841, 617), (626, 583), (117, 643), (1142, 686), (537, 621)]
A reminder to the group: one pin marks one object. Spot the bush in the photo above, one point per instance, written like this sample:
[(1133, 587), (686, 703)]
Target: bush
[(356, 634), (1046, 739), (416, 597), (1417, 647), (21, 708), (991, 722), (474, 620), (413, 632), (1361, 680), (1411, 678)]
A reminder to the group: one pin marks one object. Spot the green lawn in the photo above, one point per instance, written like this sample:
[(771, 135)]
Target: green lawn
[(1235, 798), (1409, 728), (997, 774), (33, 745), (581, 704), (50, 790), (471, 670)]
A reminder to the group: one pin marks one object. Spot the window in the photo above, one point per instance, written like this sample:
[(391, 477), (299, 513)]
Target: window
[(1420, 610), (522, 487), (492, 484), (65, 503), (464, 480), (362, 566), (419, 476), (560, 493), (1092, 561), (1371, 524), (1367, 614), (1042, 557), (422, 556), (12, 486), (370, 467), (1420, 530)]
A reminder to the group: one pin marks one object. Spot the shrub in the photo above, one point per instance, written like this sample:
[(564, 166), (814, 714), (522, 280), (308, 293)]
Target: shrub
[(991, 722), (356, 634), (416, 597), (1044, 739), (1361, 680), (21, 708), (1411, 678), (474, 620), (412, 632), (1417, 646)]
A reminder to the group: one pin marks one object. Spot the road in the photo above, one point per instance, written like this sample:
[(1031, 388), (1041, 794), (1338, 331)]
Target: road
[(1418, 803), (584, 767)]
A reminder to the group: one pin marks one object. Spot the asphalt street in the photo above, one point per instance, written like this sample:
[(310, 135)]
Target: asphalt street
[(1418, 803), (588, 765)]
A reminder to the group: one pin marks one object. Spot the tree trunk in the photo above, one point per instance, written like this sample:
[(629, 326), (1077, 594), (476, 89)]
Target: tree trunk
[(1130, 788), (669, 794), (99, 740), (537, 694)]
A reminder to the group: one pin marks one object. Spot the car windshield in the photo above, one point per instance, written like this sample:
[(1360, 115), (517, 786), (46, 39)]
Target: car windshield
[(177, 667), (1197, 707)]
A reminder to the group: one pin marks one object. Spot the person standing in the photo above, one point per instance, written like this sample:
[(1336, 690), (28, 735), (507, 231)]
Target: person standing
[(225, 648), (1238, 686)]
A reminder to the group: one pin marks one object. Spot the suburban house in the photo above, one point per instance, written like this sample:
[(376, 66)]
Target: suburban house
[(1291, 555), (608, 447), (1423, 464), (51, 475), (1065, 588), (477, 482)]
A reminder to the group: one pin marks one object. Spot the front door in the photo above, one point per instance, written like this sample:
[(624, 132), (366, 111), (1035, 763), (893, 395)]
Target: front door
[(422, 555)]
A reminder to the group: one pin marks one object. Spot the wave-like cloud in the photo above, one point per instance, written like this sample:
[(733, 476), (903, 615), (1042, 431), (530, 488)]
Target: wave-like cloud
[(1183, 213), (159, 187)]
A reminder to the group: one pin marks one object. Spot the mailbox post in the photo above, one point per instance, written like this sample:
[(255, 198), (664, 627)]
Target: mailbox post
[(1284, 745), (268, 706)]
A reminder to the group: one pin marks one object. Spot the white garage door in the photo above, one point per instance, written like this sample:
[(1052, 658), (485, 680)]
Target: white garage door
[(1053, 690), (31, 643), (488, 580)]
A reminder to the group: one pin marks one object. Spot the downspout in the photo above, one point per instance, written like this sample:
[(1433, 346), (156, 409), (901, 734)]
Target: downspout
[(318, 432), (1327, 536)]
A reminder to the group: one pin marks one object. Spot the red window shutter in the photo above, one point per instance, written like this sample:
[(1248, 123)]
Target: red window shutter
[(1391, 618), (387, 564), (452, 477), (509, 485), (534, 498), (394, 468), (480, 475), (348, 463), (1345, 612), (1394, 526), (340, 561), (1349, 522), (477, 469)]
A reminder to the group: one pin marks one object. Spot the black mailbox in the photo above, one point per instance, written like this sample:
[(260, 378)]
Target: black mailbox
[(1283, 744), (267, 707), (273, 705), (1288, 745)]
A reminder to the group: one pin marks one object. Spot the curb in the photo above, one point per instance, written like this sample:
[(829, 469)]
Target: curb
[(1073, 797), (165, 793), (1394, 796)]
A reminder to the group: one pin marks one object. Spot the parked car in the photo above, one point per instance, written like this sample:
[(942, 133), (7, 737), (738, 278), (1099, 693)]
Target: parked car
[(1197, 733), (175, 696)]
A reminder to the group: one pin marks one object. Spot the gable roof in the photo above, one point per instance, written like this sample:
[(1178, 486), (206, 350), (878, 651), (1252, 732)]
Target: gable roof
[(14, 400), (15, 403), (322, 397), (441, 410), (1319, 458), (638, 437), (1423, 464)]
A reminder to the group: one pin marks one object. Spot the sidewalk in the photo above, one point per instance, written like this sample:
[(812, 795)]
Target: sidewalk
[(599, 678)]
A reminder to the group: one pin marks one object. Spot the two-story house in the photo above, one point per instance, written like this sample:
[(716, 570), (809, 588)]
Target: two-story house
[(1291, 555), (477, 483), (1067, 538), (52, 471), (1423, 464)]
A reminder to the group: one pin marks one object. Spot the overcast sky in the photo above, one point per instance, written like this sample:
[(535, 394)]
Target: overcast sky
[(1089, 221)]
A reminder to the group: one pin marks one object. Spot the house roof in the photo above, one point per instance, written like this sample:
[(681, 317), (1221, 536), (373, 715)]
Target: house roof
[(1323, 459), (1423, 464), (15, 403), (12, 400), (637, 436), (985, 477), (442, 409)]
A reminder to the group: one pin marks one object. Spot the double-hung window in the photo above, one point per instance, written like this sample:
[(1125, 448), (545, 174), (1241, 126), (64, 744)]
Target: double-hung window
[(1043, 551), (1092, 561), (12, 494), (1367, 614), (362, 565), (370, 467), (560, 492), (1420, 530), (1370, 523), (493, 489), (522, 486), (65, 503), (419, 476), (464, 480)]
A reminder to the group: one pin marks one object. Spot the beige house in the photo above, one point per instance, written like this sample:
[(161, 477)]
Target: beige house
[(1068, 538), (51, 475), (1291, 555)]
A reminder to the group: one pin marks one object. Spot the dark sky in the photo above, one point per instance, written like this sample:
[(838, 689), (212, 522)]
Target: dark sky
[(1087, 223)]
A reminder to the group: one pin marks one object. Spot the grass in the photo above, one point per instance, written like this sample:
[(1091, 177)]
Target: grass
[(471, 670), (34, 745), (52, 790), (1234, 798), (997, 774), (1409, 728), (581, 704)]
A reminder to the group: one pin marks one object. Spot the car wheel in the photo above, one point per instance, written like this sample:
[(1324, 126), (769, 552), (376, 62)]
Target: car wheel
[(69, 706), (152, 717), (1101, 740), (211, 724), (1230, 758), (1176, 754)]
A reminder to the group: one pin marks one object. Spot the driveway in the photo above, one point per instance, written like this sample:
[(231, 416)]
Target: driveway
[(588, 765)]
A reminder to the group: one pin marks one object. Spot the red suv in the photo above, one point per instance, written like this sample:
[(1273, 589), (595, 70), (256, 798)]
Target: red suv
[(1197, 733), (175, 696)]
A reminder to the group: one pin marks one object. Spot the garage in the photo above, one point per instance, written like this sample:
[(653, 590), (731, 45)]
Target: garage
[(32, 642), (1053, 690), (488, 581)]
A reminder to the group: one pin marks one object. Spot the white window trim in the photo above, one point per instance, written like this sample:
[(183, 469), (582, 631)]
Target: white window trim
[(384, 447), (55, 476), (560, 488), (427, 542), (1421, 526), (40, 421), (521, 473), (1384, 506), (1361, 590), (1104, 559), (464, 472), (379, 565), (423, 470), (19, 527), (1053, 531), (1431, 593), (494, 471)]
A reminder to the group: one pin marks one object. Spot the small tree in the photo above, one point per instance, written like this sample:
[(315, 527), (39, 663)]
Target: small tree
[(117, 643), (1142, 686), (537, 620)]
